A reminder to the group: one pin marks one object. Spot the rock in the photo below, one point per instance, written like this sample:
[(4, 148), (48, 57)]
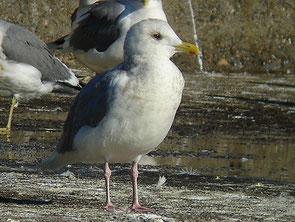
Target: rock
[(222, 62)]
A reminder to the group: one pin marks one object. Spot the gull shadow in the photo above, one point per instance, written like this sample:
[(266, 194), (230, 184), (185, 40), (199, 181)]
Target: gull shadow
[(267, 101), (24, 201)]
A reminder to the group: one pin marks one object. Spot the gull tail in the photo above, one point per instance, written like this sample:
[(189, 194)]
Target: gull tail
[(60, 44), (57, 160)]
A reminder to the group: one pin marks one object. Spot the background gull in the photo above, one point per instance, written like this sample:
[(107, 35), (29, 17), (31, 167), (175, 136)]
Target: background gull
[(80, 12), (97, 36), (27, 68), (126, 112)]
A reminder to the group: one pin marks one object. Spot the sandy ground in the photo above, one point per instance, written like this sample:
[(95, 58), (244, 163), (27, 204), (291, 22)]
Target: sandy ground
[(30, 195)]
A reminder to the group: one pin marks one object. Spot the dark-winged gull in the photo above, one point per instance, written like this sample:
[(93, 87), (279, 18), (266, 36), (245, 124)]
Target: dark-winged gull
[(97, 36), (80, 12), (126, 112), (27, 68)]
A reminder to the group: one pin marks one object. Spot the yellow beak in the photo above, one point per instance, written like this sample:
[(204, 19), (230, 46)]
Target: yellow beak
[(188, 47), (145, 2)]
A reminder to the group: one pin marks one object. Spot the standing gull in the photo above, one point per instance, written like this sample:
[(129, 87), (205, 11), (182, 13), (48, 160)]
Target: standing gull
[(27, 68), (97, 36), (126, 112)]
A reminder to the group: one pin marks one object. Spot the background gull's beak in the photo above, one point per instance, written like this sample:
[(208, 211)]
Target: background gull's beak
[(188, 47)]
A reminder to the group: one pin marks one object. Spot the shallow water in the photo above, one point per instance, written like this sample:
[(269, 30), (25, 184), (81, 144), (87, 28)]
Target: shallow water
[(228, 125)]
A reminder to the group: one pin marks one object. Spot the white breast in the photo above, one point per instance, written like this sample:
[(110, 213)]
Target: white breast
[(140, 116)]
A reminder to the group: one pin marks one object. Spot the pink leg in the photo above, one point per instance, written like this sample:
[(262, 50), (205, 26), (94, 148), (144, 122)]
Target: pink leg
[(135, 204), (107, 176)]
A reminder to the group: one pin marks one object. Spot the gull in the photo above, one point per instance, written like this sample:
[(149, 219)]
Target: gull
[(98, 35), (81, 12), (27, 68), (126, 112)]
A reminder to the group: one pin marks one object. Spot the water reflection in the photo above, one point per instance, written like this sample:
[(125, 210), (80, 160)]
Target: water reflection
[(229, 156), (222, 155)]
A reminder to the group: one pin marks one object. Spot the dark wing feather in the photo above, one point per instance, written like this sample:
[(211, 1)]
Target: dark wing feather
[(74, 15), (57, 44), (99, 29), (89, 108)]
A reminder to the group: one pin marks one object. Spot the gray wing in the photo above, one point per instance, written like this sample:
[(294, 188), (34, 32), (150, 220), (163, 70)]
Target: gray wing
[(21, 45), (99, 29), (89, 108)]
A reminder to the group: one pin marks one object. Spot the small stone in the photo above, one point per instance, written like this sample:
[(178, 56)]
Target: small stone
[(222, 62)]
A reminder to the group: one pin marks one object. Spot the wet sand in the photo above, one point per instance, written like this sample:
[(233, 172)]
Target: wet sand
[(229, 156)]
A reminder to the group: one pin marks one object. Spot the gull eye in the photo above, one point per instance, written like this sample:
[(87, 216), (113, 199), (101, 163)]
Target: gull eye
[(157, 36)]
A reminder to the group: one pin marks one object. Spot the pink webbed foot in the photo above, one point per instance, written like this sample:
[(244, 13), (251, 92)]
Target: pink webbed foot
[(111, 207), (138, 208)]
